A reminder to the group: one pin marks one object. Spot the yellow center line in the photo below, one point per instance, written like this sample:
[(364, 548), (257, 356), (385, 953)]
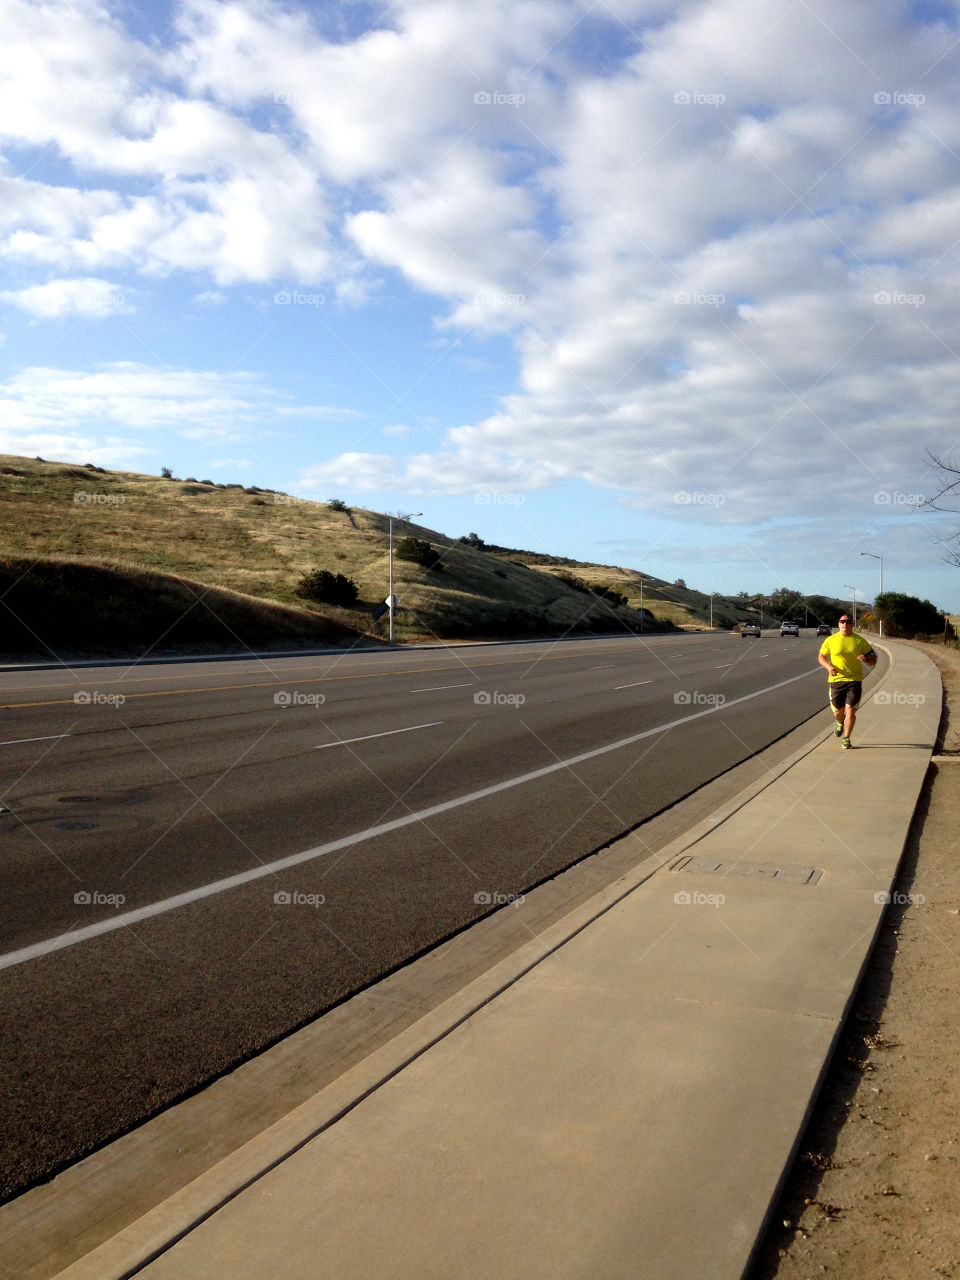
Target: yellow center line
[(265, 684)]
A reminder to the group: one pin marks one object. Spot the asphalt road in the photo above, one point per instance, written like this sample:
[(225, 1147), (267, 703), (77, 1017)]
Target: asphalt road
[(403, 794)]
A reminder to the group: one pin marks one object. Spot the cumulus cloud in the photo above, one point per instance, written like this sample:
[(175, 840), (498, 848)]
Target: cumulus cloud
[(720, 234), (78, 296)]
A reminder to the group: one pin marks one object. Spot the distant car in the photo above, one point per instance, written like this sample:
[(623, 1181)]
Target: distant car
[(749, 629), (824, 630), (789, 629)]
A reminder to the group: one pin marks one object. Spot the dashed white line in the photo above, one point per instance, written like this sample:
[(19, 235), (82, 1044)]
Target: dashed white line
[(128, 918), (722, 664), (343, 742), (13, 742), (633, 686), (431, 688)]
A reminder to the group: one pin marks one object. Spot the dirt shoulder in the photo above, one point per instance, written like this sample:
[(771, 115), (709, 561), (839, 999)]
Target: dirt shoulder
[(875, 1190)]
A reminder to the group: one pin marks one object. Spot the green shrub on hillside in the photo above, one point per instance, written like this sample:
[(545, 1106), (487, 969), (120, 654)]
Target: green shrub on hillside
[(419, 551), (325, 587)]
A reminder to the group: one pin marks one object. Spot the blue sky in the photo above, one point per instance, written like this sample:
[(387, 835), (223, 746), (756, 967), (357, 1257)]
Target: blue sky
[(667, 285)]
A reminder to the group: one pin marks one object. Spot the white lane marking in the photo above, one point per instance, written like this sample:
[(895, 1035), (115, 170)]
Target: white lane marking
[(13, 742), (431, 688), (722, 664), (633, 686), (603, 666), (343, 742), (345, 842)]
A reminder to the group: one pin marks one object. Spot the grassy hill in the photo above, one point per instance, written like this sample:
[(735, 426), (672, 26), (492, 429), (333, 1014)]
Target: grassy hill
[(147, 532)]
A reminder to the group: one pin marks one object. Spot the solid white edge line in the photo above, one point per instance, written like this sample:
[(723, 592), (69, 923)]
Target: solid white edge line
[(308, 855), (343, 742)]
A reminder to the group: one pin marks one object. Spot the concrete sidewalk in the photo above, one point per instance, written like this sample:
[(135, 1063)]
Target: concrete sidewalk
[(623, 1096)]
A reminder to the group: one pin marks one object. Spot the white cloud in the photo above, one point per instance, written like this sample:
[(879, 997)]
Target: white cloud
[(78, 296), (690, 246)]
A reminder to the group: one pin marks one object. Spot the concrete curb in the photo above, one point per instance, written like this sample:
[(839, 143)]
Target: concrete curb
[(153, 1234)]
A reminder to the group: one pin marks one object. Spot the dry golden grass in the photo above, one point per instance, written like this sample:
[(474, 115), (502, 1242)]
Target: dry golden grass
[(259, 542)]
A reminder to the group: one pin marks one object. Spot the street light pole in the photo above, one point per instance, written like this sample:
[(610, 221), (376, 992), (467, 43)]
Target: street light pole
[(874, 556), (854, 590), (390, 600)]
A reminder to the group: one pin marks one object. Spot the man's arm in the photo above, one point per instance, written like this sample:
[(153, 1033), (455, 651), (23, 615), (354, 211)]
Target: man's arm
[(825, 662)]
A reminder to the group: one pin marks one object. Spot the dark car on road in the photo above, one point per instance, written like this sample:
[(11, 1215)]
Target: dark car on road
[(824, 630)]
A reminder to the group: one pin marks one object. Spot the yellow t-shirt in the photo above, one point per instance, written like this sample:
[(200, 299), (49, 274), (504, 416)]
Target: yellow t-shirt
[(844, 653)]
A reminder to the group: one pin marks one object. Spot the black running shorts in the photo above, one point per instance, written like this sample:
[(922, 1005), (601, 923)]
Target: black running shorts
[(845, 693)]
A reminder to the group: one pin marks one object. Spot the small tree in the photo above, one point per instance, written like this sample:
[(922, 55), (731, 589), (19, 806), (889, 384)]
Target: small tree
[(337, 504), (325, 587), (166, 473), (419, 551)]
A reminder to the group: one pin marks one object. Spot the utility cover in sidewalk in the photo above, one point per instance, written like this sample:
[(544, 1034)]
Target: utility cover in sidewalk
[(750, 870)]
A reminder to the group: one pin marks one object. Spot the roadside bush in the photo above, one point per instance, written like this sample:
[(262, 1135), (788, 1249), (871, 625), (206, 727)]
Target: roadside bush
[(325, 587), (419, 551)]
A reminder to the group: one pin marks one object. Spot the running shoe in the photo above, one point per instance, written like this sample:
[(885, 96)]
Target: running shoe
[(846, 744), (838, 728)]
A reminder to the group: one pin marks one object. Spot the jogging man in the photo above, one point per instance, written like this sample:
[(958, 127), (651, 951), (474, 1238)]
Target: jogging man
[(840, 654)]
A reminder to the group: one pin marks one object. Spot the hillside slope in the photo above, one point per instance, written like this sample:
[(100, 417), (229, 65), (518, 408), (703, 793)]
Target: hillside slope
[(259, 542)]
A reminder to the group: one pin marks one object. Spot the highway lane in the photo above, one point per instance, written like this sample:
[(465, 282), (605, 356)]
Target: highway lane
[(213, 771)]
